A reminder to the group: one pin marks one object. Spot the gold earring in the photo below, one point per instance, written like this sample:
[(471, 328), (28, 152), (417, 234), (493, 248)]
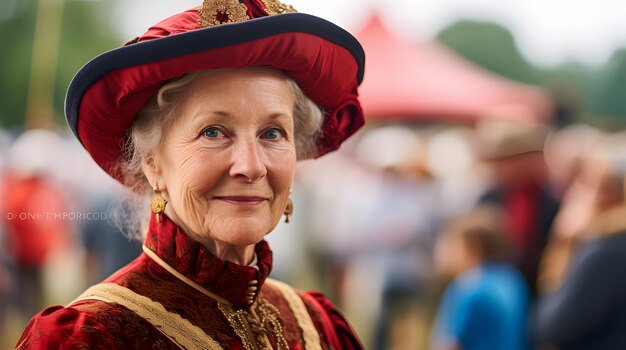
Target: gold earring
[(158, 203), (288, 210)]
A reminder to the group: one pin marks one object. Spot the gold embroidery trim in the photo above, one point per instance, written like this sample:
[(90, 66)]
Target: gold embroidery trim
[(309, 332), (179, 330), (232, 9), (275, 7), (157, 259)]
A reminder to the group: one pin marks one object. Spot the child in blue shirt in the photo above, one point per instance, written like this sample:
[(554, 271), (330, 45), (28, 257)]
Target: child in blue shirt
[(485, 306)]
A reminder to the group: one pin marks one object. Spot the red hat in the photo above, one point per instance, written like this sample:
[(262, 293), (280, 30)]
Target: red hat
[(326, 61)]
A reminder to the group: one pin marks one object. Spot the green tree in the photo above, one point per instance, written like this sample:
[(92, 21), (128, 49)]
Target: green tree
[(595, 94), (16, 33), (611, 99), (491, 46), (87, 30)]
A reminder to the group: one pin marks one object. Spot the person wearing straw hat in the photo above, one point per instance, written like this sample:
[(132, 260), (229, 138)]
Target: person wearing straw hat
[(208, 113)]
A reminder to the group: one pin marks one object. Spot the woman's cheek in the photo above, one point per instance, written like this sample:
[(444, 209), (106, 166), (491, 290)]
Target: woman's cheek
[(190, 178), (281, 153)]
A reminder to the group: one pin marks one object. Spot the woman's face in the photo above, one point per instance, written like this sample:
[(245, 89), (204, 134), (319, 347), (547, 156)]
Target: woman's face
[(227, 163)]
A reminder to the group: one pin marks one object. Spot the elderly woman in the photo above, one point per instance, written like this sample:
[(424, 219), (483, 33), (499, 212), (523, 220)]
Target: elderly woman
[(209, 112)]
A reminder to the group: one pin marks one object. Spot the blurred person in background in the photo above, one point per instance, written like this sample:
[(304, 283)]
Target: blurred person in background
[(563, 153), (569, 152), (106, 247), (485, 306), (452, 151), (513, 151), (209, 116), (34, 216), (400, 225), (583, 285)]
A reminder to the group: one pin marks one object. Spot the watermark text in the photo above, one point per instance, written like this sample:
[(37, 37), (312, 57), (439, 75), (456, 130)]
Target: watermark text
[(65, 215)]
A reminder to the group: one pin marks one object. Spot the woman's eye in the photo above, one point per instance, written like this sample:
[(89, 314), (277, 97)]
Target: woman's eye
[(212, 133), (272, 134)]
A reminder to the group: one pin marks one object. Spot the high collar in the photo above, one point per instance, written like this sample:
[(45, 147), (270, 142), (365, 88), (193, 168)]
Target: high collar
[(230, 281)]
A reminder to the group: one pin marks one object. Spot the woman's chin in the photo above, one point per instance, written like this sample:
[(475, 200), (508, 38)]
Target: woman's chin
[(245, 232)]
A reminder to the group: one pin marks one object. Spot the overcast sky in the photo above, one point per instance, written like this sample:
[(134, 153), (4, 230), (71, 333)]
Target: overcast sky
[(548, 32)]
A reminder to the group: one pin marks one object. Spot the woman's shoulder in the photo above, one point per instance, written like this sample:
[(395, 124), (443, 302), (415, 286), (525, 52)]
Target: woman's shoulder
[(90, 324), (325, 315), (326, 318), (65, 327)]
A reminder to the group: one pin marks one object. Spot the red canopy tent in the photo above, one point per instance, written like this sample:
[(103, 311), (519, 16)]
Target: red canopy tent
[(426, 81)]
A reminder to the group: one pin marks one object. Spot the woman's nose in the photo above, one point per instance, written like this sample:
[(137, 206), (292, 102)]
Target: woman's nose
[(247, 161)]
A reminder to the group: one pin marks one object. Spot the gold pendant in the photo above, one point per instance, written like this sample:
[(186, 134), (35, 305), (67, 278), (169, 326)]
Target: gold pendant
[(158, 203)]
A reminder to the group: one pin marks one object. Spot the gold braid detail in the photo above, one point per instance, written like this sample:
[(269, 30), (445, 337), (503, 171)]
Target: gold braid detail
[(232, 9), (309, 332), (172, 325)]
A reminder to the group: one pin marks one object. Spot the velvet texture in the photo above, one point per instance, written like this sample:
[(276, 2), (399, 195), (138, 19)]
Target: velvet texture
[(92, 324)]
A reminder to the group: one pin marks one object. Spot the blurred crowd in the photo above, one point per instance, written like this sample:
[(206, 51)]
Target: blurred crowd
[(57, 235), (500, 235)]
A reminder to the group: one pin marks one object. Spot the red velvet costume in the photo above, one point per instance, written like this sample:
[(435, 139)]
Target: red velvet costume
[(96, 324)]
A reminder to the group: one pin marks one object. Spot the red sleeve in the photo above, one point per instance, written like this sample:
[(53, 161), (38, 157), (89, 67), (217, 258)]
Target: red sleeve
[(338, 331), (64, 328)]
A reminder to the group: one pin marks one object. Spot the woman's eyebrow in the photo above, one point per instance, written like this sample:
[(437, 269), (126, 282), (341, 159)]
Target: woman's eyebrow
[(279, 115), (219, 114)]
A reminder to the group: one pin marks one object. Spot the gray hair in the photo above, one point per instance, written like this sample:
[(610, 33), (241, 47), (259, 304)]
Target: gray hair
[(148, 131)]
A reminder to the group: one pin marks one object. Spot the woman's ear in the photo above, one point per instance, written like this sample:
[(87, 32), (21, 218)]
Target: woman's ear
[(151, 168)]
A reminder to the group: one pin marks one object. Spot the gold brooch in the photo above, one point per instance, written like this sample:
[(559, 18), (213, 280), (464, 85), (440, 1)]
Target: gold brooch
[(275, 7), (213, 12), (216, 12)]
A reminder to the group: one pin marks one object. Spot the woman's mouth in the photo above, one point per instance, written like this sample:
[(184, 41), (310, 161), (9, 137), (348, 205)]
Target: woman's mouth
[(242, 201)]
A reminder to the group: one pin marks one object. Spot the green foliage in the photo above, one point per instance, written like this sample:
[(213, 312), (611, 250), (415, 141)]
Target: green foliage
[(86, 31), (16, 33), (491, 46), (611, 99), (580, 91)]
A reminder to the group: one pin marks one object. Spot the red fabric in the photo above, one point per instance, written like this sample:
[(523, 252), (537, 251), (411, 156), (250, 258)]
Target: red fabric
[(64, 328), (522, 216), (34, 218), (91, 325), (332, 323), (98, 325), (227, 279), (256, 8), (325, 71)]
